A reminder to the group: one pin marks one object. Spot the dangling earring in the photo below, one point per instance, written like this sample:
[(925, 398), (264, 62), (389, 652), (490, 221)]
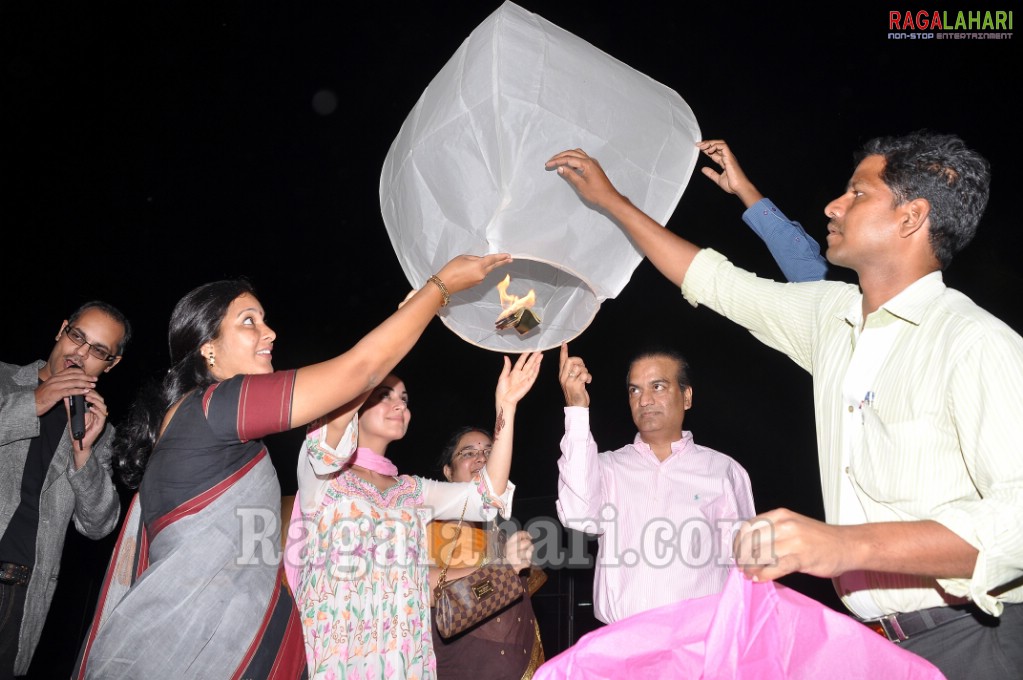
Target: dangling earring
[(211, 360)]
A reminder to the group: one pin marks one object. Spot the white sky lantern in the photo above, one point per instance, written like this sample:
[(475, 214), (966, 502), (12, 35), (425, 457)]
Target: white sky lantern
[(466, 174)]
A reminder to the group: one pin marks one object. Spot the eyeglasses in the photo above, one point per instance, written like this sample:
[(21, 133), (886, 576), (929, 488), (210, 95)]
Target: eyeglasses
[(470, 452), (78, 337)]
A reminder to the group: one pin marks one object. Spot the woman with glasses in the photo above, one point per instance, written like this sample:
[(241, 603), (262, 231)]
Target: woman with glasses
[(361, 579), (195, 588), (506, 646)]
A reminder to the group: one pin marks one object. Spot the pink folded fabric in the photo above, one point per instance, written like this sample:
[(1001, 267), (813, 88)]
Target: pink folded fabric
[(750, 630)]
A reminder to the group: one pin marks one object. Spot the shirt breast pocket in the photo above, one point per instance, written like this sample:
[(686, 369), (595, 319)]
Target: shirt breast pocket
[(911, 465)]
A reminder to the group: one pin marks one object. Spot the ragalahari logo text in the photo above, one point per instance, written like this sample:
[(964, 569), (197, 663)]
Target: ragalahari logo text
[(950, 25)]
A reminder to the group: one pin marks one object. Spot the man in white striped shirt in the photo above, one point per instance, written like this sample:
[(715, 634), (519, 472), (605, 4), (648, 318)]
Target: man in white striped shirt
[(663, 507), (918, 396)]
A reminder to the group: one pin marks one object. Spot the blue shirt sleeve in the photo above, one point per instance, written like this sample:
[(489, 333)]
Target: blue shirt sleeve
[(798, 255)]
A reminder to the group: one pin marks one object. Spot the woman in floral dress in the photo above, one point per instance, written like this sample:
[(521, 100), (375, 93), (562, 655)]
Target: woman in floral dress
[(362, 585)]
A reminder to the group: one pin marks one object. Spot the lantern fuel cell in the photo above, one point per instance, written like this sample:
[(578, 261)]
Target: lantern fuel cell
[(523, 321)]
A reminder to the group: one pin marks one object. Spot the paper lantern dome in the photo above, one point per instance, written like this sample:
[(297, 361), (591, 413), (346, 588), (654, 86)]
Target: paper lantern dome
[(466, 174)]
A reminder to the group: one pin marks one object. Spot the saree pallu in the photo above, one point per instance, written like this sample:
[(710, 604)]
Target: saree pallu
[(202, 596)]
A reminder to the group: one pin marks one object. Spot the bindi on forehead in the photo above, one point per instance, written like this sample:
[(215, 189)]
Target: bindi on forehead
[(478, 441)]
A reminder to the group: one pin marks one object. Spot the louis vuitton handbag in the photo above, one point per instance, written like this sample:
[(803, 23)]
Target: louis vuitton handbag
[(465, 602)]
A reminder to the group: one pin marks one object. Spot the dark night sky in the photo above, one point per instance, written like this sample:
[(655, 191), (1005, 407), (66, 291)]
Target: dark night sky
[(147, 148)]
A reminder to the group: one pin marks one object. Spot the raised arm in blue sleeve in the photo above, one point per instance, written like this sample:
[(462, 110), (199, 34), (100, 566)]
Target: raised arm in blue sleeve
[(798, 255)]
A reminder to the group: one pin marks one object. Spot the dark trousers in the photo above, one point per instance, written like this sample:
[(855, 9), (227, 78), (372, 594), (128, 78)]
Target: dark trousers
[(12, 608), (975, 647)]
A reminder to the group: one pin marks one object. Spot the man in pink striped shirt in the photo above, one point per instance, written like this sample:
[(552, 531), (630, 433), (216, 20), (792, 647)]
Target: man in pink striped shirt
[(663, 507)]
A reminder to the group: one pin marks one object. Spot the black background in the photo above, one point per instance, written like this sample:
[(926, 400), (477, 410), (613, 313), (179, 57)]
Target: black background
[(149, 147)]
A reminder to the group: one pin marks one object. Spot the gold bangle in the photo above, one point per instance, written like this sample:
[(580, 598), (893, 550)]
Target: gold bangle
[(443, 289)]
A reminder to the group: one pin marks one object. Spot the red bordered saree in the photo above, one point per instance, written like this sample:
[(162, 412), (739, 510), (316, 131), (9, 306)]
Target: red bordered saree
[(194, 588)]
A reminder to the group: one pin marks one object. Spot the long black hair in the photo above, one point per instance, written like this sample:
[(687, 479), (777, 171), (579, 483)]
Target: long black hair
[(195, 321)]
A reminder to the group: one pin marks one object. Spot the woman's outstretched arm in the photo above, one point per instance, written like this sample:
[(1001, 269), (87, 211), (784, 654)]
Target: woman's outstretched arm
[(323, 387), (514, 383)]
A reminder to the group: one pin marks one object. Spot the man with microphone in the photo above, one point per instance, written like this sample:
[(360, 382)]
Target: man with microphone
[(54, 467)]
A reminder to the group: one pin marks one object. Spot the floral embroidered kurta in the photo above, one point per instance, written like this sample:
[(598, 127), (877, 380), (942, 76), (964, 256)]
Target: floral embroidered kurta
[(362, 588)]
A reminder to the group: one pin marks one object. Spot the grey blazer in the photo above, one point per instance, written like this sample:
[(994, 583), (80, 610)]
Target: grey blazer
[(86, 495)]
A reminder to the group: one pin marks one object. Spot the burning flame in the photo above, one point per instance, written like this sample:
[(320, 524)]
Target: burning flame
[(510, 304)]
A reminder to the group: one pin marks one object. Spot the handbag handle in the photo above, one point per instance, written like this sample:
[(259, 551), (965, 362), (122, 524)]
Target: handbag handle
[(451, 553)]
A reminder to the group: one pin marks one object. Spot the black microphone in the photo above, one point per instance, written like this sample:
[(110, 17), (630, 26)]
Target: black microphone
[(78, 418)]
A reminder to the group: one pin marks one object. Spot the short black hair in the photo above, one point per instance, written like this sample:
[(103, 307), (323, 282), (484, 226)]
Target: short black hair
[(684, 379), (953, 178), (447, 453), (111, 311)]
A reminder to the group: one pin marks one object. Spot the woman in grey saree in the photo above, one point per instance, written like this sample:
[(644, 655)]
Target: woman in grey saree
[(194, 580), (194, 588)]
